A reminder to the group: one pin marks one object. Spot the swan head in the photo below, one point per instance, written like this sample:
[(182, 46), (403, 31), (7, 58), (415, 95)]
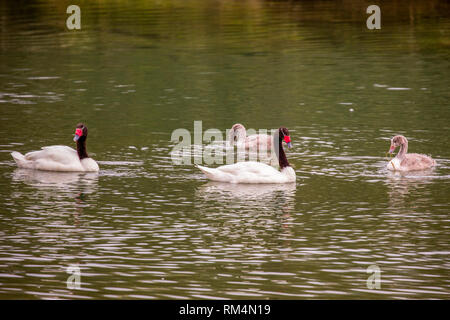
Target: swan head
[(81, 132), (284, 134), (237, 133), (397, 141), (237, 126)]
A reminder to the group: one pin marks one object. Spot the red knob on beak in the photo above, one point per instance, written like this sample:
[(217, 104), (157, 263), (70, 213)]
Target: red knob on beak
[(287, 139), (78, 134)]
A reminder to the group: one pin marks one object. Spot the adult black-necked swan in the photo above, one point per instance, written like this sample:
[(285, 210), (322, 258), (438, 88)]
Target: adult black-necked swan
[(257, 172), (59, 158), (404, 161)]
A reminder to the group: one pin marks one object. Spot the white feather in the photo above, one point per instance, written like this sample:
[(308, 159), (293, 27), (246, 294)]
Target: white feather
[(249, 172), (54, 158), (394, 164)]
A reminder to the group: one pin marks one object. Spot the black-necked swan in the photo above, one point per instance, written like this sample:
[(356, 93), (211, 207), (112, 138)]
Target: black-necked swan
[(256, 172), (404, 161), (59, 158)]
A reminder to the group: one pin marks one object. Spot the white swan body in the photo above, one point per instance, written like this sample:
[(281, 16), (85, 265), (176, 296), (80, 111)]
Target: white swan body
[(404, 161), (249, 172), (256, 172), (54, 158), (59, 158)]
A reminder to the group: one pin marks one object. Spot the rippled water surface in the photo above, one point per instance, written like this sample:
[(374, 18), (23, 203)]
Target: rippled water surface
[(146, 228)]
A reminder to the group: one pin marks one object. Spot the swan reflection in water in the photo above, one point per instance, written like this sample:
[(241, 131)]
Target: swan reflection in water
[(404, 184), (48, 181), (249, 210), (59, 188), (62, 198), (263, 195)]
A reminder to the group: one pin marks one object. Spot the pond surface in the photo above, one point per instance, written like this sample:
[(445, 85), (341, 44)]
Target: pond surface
[(144, 227)]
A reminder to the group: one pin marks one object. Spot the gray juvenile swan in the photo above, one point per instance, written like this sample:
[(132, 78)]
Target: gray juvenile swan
[(239, 134), (262, 144), (404, 161)]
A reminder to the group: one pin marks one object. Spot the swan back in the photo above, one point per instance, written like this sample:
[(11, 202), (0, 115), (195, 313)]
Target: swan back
[(413, 162), (62, 154), (52, 158), (55, 158)]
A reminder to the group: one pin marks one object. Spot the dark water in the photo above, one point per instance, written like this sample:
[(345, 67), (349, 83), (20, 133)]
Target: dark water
[(146, 228)]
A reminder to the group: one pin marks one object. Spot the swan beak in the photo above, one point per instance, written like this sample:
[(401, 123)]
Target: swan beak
[(287, 139), (78, 134), (391, 149)]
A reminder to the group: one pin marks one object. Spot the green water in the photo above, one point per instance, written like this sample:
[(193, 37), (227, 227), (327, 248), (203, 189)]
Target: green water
[(146, 228)]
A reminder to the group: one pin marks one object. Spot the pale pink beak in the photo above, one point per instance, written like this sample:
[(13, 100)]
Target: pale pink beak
[(391, 149)]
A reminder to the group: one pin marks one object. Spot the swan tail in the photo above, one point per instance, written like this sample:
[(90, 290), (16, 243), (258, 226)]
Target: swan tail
[(216, 174), (205, 170), (19, 158), (209, 173)]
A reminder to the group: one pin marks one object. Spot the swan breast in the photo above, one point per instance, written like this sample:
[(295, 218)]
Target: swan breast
[(90, 165)]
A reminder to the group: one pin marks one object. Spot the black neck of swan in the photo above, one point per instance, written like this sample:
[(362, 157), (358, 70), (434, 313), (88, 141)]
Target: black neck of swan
[(403, 150), (278, 141), (81, 148)]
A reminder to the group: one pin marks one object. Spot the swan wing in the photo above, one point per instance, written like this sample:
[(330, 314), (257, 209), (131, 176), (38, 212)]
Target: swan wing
[(60, 154), (415, 161), (52, 158), (248, 167), (248, 172)]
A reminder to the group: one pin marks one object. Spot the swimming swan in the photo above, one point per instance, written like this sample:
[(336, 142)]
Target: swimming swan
[(404, 161), (256, 172), (238, 134), (261, 144), (59, 158)]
